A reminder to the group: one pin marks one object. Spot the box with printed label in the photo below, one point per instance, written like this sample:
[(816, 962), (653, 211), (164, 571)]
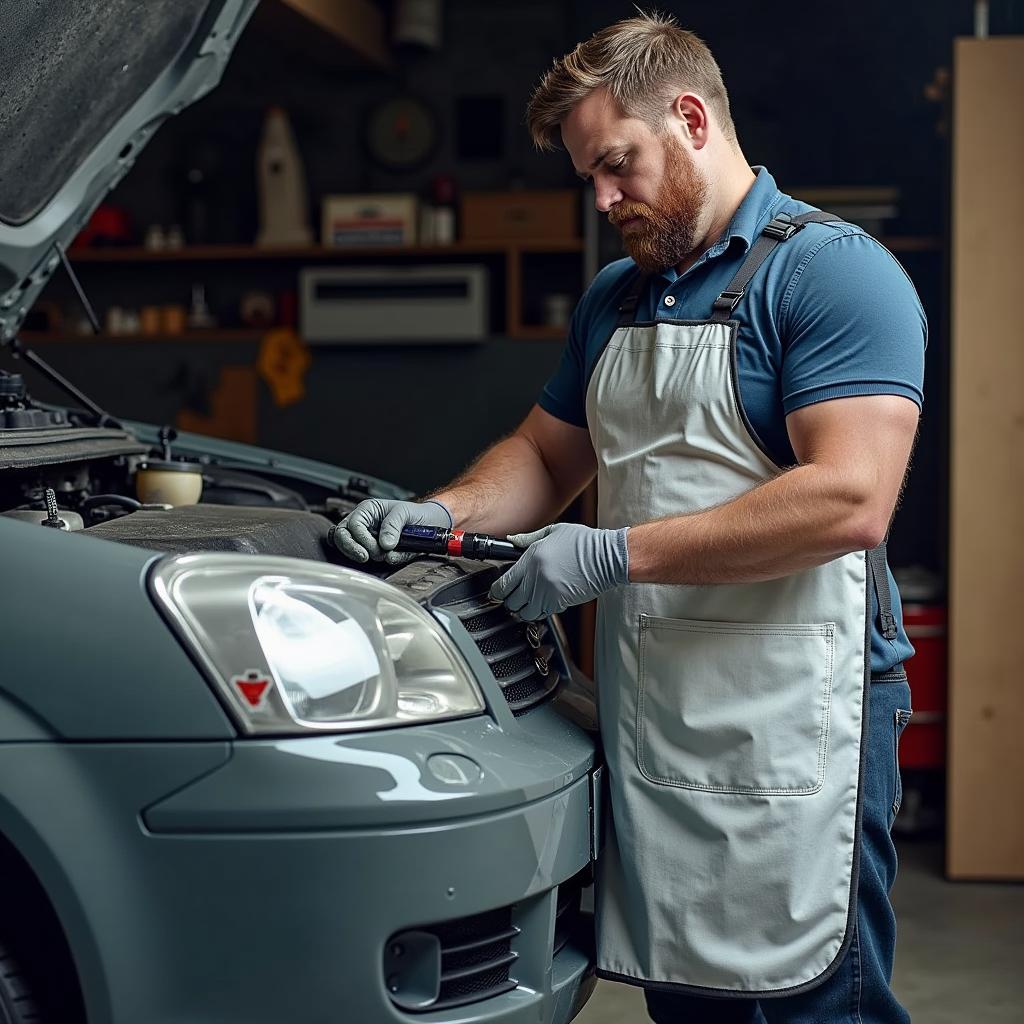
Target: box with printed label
[(385, 218)]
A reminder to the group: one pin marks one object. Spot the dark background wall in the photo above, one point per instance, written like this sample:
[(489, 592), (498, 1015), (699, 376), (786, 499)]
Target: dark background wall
[(822, 93)]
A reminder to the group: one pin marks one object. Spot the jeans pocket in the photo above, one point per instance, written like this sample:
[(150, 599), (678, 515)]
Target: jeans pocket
[(900, 719)]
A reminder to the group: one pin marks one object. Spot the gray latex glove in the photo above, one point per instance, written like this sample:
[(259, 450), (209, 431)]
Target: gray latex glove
[(563, 565), (372, 528)]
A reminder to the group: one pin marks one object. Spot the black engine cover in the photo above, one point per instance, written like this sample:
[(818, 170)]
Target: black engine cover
[(254, 531)]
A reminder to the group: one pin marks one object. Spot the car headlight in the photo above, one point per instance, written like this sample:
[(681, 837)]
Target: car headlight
[(293, 646)]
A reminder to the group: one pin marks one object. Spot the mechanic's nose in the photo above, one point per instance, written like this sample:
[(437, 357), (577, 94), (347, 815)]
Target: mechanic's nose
[(606, 195)]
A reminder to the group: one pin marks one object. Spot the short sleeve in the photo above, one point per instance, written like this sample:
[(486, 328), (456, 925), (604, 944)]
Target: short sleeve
[(563, 394), (852, 324)]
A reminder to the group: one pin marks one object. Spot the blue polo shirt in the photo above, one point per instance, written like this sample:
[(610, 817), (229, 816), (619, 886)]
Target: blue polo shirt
[(830, 314)]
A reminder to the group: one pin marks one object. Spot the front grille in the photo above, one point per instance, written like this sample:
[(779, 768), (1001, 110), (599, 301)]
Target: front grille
[(521, 655), (476, 958)]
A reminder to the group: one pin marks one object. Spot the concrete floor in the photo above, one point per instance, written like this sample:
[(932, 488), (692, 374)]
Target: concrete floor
[(959, 958)]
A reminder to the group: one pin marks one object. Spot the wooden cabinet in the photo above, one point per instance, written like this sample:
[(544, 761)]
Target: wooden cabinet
[(986, 680)]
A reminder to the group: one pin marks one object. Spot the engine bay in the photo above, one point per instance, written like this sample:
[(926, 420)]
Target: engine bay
[(57, 469)]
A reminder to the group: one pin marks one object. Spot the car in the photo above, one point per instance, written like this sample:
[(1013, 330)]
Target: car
[(241, 779)]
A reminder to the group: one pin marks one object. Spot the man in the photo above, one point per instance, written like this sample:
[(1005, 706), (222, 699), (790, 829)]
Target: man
[(746, 389)]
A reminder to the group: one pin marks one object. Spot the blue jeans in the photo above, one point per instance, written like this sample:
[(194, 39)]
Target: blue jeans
[(858, 992)]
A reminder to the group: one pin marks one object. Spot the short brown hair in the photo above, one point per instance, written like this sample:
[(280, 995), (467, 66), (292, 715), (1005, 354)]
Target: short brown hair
[(639, 60)]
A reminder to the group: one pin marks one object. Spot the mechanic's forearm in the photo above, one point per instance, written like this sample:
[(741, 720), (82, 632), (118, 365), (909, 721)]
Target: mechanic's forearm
[(507, 490), (802, 518)]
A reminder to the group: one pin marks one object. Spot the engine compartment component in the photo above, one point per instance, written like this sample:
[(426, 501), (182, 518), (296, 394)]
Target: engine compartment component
[(71, 520), (17, 410), (169, 482), (265, 531), (166, 480), (27, 447), (32, 435), (232, 487)]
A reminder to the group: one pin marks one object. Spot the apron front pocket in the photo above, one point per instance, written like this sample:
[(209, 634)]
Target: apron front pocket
[(734, 707)]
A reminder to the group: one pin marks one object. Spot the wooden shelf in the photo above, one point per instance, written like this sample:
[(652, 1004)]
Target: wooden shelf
[(205, 253), (207, 336), (201, 253), (524, 331), (511, 251)]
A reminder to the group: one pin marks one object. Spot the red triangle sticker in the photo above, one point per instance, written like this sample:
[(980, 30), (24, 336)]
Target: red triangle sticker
[(253, 687)]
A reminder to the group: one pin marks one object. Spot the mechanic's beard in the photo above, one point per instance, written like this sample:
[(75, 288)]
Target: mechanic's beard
[(669, 231)]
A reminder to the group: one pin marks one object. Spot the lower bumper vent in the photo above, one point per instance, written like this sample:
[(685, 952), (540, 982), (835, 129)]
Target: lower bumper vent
[(453, 963), (568, 912)]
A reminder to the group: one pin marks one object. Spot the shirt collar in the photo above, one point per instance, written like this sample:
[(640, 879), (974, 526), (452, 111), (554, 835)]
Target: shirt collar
[(753, 212), (748, 220)]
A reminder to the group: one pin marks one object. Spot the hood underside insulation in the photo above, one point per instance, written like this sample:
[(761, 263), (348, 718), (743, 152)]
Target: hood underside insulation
[(69, 69), (47, 446)]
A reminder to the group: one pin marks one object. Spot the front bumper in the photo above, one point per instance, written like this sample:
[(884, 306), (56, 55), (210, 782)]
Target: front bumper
[(312, 915), (267, 889)]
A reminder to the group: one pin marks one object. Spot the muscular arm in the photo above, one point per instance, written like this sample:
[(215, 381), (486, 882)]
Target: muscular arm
[(853, 454), (524, 480)]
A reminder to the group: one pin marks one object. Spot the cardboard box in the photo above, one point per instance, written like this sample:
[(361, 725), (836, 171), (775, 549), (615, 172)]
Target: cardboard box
[(383, 218), (534, 214)]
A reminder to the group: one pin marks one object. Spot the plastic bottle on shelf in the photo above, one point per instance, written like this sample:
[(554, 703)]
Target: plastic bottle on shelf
[(443, 219)]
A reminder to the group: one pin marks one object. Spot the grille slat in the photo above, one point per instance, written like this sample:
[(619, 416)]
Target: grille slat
[(472, 606), (479, 927), (520, 696), (503, 642), (512, 667), (466, 947), (461, 973), (488, 988)]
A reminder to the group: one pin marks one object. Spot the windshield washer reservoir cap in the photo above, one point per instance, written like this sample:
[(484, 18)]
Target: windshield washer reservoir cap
[(170, 466)]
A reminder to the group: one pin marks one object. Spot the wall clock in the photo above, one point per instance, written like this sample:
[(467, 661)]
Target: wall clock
[(401, 133)]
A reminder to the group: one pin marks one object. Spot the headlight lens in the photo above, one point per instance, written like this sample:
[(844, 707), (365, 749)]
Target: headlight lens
[(293, 646)]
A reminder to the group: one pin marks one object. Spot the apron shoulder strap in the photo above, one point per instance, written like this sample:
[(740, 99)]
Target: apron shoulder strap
[(778, 229), (627, 310)]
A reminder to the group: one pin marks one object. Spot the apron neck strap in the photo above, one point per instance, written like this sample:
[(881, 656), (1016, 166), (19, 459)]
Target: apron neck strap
[(779, 229)]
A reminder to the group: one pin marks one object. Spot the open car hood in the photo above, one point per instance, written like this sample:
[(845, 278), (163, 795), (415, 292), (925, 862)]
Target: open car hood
[(83, 87)]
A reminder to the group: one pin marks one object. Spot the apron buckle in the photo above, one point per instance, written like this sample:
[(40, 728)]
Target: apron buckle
[(727, 301), (783, 230)]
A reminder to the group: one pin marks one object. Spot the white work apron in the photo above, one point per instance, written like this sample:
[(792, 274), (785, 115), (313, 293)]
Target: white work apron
[(731, 715)]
